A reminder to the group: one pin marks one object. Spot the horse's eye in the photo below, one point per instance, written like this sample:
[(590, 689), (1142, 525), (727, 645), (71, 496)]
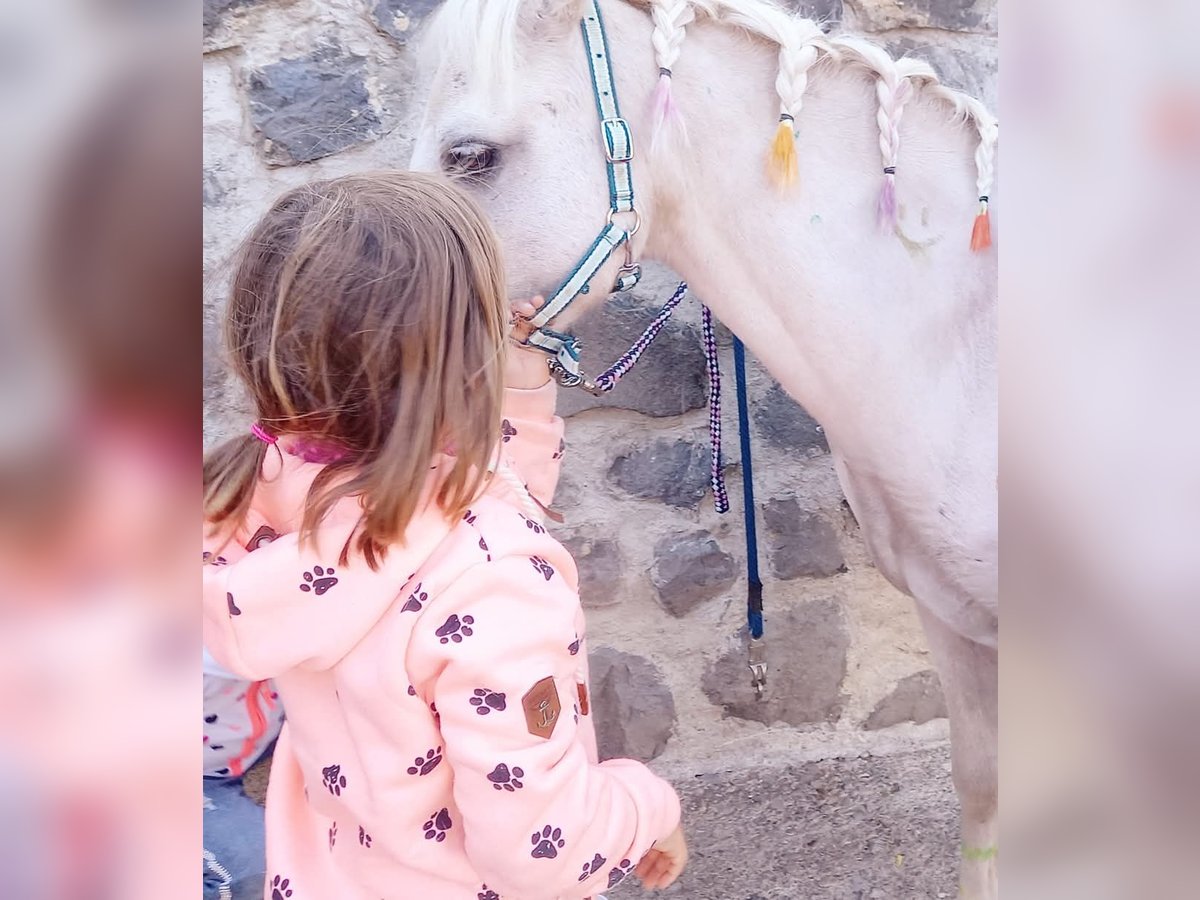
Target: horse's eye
[(473, 159)]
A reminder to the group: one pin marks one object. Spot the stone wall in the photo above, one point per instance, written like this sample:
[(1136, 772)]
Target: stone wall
[(300, 89)]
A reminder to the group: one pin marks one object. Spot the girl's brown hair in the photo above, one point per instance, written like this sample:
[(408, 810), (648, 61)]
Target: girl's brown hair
[(369, 312)]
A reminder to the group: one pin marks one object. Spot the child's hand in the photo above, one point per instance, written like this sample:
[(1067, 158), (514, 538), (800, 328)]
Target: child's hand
[(661, 866), (526, 368)]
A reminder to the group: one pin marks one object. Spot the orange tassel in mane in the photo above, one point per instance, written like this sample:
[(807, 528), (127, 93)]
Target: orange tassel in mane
[(781, 162), (981, 234)]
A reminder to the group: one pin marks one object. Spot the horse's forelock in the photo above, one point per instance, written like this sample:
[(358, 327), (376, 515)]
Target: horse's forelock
[(479, 37)]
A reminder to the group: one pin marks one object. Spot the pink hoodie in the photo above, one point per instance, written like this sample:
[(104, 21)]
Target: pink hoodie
[(438, 743)]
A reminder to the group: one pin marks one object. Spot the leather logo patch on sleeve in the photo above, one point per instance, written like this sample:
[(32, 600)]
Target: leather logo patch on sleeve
[(583, 699), (542, 707)]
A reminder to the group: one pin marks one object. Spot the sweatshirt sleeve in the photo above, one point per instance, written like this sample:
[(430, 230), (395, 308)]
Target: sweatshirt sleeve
[(533, 438), (539, 819)]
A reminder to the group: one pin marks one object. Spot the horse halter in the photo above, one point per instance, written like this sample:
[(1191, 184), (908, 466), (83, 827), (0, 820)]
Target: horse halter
[(564, 349)]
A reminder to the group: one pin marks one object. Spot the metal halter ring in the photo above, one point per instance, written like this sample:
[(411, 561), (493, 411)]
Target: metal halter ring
[(637, 219)]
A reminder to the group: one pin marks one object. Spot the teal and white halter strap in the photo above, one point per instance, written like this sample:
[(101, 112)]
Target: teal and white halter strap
[(618, 151)]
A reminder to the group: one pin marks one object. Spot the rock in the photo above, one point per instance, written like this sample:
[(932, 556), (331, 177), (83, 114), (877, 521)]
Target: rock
[(215, 11), (675, 472), (600, 568), (948, 15), (827, 13), (915, 698), (669, 379), (972, 70), (310, 107), (785, 424), (398, 18), (689, 569), (806, 664), (632, 705), (803, 543)]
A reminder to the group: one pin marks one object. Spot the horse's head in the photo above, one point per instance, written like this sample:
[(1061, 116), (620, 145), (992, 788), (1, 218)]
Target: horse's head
[(512, 118)]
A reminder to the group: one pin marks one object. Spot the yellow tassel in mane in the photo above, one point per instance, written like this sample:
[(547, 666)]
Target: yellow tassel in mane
[(781, 161)]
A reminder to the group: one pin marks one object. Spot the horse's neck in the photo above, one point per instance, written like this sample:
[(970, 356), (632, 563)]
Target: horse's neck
[(863, 327)]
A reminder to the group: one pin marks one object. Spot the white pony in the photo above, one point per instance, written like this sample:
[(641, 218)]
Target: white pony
[(846, 246)]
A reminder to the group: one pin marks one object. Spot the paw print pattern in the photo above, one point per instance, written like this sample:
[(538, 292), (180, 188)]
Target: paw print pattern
[(573, 647), (469, 517), (333, 779), (562, 448), (364, 838), (416, 600), (437, 826), (576, 713), (455, 629), (319, 580), (233, 607), (547, 843), (280, 889), (503, 779), (486, 700), (590, 869), (332, 835), (486, 894), (617, 874), (210, 559), (507, 432), (423, 765), (542, 566), (533, 526), (412, 691)]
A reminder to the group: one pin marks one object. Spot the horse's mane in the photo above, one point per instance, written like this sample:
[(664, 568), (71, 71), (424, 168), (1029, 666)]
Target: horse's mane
[(491, 28)]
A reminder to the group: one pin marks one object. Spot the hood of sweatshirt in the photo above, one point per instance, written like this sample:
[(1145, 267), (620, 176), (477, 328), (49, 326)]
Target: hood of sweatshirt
[(272, 605)]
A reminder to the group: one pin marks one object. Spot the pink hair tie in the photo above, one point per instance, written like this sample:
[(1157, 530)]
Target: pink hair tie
[(262, 434)]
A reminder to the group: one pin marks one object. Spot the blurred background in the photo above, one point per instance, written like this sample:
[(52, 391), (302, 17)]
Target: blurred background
[(104, 310)]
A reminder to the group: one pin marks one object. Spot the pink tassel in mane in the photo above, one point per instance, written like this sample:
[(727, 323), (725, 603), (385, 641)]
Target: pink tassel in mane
[(666, 121), (887, 202)]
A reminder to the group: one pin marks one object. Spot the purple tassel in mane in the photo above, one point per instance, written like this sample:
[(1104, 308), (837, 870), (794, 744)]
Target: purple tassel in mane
[(664, 116), (887, 202)]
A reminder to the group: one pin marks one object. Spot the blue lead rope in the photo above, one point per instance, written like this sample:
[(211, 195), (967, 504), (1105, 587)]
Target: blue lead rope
[(754, 592)]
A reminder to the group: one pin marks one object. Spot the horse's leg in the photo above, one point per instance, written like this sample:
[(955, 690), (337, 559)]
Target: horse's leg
[(969, 675)]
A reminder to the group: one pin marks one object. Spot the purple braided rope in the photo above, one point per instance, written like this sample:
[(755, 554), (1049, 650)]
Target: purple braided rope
[(712, 361), (607, 380)]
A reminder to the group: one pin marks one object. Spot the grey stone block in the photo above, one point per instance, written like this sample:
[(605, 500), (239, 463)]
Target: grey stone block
[(689, 569), (600, 566), (399, 18), (675, 472), (310, 107), (785, 424), (806, 665), (803, 543), (949, 15), (633, 707), (916, 698)]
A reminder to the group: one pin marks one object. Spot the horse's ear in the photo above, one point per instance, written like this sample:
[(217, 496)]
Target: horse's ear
[(551, 18)]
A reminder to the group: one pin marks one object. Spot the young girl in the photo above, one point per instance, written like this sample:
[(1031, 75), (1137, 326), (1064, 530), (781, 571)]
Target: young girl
[(375, 546)]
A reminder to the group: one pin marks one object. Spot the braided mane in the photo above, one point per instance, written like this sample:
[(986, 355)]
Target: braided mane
[(492, 26)]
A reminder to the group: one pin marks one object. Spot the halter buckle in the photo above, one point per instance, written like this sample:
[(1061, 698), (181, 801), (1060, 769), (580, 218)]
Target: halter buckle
[(618, 139)]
